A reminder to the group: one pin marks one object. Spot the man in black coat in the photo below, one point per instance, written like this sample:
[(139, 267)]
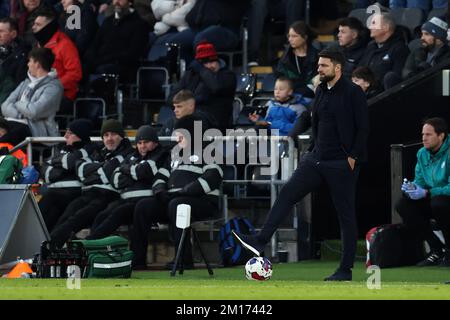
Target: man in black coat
[(352, 39), (388, 50), (212, 84), (339, 130), (119, 44), (13, 52)]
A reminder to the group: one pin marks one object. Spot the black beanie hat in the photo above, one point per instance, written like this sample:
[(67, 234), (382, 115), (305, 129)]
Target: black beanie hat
[(146, 133), (112, 125), (82, 128)]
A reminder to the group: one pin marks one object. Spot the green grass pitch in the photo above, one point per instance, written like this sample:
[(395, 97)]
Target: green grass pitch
[(303, 280)]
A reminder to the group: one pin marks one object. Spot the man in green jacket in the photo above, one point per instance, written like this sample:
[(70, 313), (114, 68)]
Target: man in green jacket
[(428, 196)]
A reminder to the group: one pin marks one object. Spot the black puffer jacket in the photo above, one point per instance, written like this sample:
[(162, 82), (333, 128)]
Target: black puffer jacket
[(60, 170), (135, 177), (96, 172)]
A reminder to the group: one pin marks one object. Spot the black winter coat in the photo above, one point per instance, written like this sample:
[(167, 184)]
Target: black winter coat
[(390, 57), (349, 107)]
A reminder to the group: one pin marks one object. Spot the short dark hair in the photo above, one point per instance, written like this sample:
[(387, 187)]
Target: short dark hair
[(183, 95), (13, 25), (301, 28), (439, 125), (287, 80), (44, 56), (334, 55), (366, 74), (46, 12), (352, 23)]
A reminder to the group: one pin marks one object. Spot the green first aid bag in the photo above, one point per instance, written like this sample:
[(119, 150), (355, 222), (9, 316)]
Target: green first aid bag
[(107, 258), (10, 169)]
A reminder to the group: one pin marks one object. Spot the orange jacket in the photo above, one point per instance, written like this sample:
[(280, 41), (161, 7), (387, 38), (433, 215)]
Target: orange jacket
[(67, 63), (19, 154)]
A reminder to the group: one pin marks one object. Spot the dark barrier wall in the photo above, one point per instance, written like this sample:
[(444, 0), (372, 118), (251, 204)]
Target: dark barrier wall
[(395, 117)]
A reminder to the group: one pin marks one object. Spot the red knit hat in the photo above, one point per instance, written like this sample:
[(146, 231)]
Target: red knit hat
[(205, 51)]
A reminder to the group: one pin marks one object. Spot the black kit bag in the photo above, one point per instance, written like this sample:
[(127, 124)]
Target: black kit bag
[(393, 245)]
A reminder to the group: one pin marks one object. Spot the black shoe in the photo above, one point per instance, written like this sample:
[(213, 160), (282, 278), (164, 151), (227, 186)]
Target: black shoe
[(186, 266), (250, 243), (340, 275), (433, 259)]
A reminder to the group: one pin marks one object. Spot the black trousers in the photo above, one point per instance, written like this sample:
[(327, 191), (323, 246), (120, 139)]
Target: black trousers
[(117, 213), (308, 177), (416, 215), (150, 211), (80, 213), (54, 202)]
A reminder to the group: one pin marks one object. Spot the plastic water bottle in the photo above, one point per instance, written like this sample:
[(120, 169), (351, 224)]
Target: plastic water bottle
[(410, 186)]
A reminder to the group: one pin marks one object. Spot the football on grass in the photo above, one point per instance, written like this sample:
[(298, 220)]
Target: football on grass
[(258, 268)]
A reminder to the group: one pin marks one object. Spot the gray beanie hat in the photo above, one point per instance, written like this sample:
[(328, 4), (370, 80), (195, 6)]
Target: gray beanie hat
[(437, 27)]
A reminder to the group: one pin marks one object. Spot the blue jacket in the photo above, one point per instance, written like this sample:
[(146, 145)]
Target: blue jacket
[(433, 170), (283, 115)]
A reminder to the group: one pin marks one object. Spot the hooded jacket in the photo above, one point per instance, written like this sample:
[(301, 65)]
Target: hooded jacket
[(282, 115), (433, 170), (39, 109)]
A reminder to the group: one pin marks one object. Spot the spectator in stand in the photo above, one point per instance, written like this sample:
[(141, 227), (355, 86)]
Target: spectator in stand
[(212, 84), (284, 109), (352, 39), (183, 105), (31, 108), (82, 36), (299, 61), (365, 78), (216, 21), (434, 48), (67, 61), (285, 10), (7, 85), (142, 7), (13, 51), (386, 52), (26, 19), (119, 44), (171, 15)]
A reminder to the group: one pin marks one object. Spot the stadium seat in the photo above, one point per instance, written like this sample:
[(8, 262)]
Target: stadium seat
[(410, 18), (152, 84), (93, 108), (359, 14), (440, 13)]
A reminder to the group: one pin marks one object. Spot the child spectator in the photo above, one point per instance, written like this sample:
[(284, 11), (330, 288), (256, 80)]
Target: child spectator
[(284, 109), (365, 78)]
